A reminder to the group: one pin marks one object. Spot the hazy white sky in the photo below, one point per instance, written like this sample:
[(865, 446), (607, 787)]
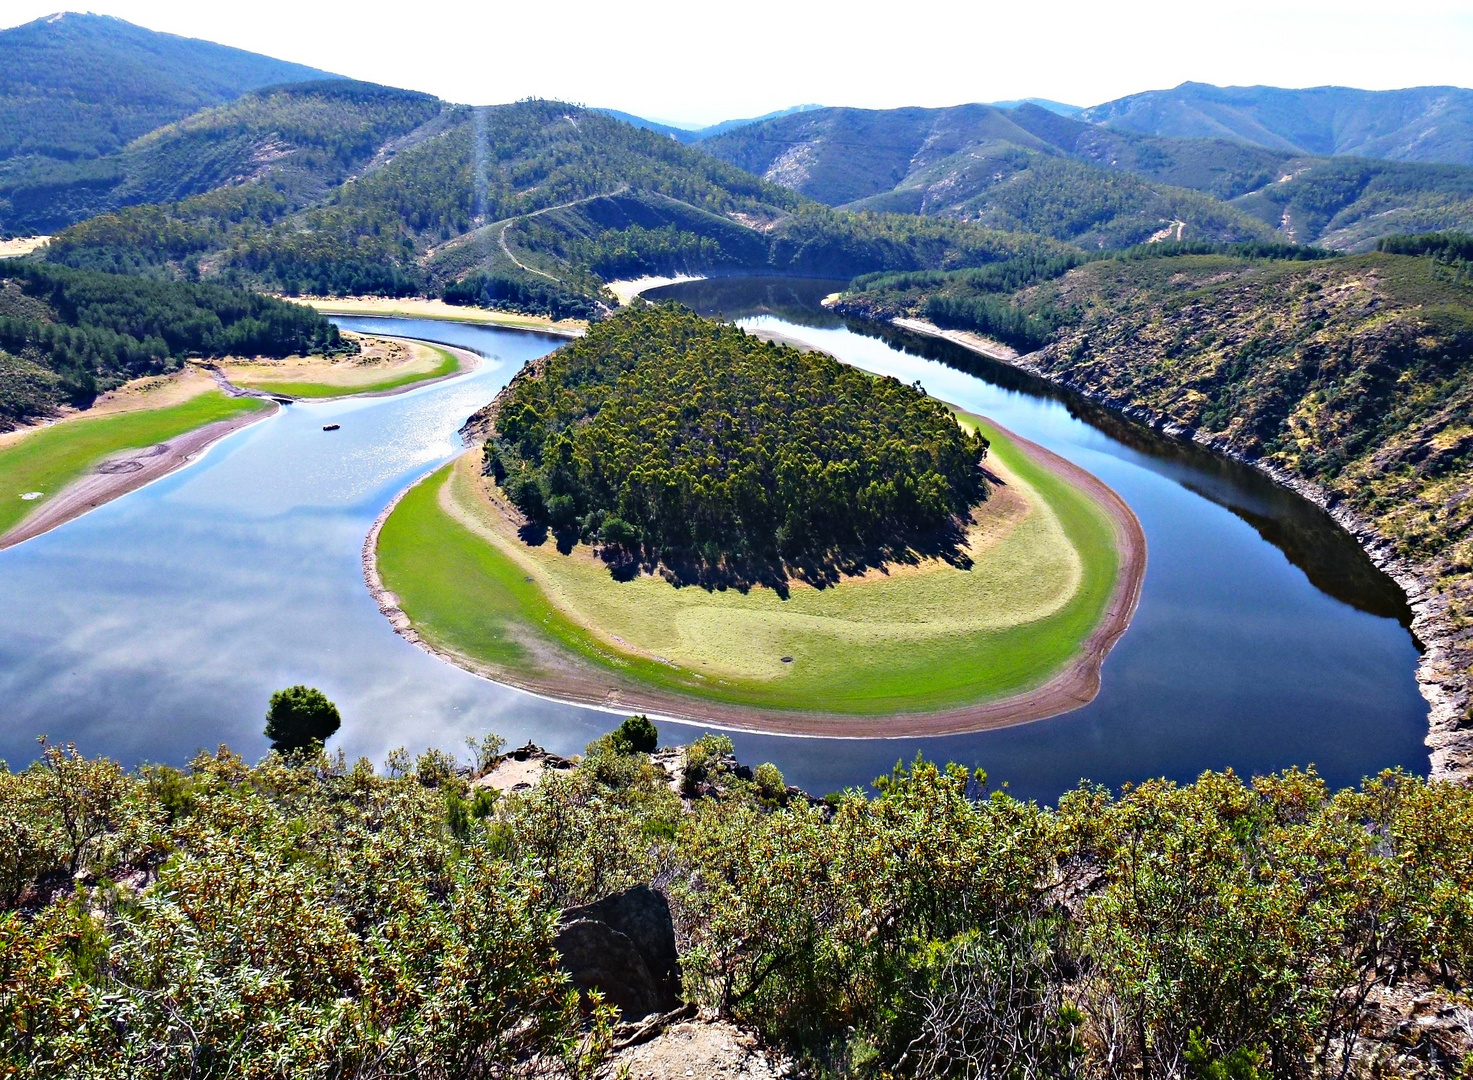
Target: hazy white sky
[(699, 62)]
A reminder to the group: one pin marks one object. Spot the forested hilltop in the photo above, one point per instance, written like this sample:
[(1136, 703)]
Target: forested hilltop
[(307, 916), (1354, 373), (67, 335), (75, 88), (682, 443)]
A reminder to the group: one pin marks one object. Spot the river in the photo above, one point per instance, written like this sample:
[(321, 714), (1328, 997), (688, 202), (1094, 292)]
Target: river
[(159, 624)]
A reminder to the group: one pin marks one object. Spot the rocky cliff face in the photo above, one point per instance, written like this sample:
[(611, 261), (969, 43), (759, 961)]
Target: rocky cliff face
[(1350, 380)]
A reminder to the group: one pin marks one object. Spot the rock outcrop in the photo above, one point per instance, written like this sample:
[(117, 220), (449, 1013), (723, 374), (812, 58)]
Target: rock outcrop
[(624, 946)]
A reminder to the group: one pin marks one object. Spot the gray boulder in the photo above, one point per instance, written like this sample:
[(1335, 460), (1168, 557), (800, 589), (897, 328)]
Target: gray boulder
[(623, 945)]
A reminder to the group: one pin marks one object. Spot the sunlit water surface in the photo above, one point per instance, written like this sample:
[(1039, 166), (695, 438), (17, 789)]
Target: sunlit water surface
[(160, 623)]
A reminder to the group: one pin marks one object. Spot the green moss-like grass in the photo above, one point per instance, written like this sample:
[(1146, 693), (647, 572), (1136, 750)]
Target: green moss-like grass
[(449, 365), (468, 596), (51, 457)]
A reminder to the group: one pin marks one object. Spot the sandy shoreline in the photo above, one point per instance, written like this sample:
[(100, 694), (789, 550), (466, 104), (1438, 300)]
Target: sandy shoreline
[(986, 346), (1072, 687), (119, 474), (439, 311), (468, 362)]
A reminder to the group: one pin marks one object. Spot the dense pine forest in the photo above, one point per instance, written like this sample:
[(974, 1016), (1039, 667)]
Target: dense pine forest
[(67, 335), (307, 916), (679, 441)]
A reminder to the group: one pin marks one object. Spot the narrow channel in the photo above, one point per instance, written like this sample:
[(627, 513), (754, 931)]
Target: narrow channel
[(158, 624)]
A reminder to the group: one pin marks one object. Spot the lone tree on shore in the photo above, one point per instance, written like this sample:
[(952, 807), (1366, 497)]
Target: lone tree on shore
[(637, 735), (300, 718)]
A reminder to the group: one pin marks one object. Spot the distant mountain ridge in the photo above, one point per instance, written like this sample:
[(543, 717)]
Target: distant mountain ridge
[(1092, 184), (304, 136), (691, 136), (80, 86), (1421, 124)]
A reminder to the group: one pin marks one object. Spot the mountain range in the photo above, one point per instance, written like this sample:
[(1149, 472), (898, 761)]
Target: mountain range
[(153, 153), (1424, 123)]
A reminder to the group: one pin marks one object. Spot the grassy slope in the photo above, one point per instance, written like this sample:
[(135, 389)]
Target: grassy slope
[(449, 364), (49, 458), (466, 595)]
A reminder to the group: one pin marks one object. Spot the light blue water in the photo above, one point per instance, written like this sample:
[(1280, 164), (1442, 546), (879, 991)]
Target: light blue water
[(160, 623)]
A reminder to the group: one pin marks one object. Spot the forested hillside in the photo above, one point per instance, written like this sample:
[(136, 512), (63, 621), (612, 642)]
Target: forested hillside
[(299, 140), (1423, 123), (75, 87), (538, 191), (1031, 169), (66, 335), (1354, 373)]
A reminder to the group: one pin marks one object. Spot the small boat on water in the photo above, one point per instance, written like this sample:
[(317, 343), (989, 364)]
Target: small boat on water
[(331, 427)]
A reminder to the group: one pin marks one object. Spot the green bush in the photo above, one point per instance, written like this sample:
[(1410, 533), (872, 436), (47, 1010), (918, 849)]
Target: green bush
[(637, 735), (300, 718)]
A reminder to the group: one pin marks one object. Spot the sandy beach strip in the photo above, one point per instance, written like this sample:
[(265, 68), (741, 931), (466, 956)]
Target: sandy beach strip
[(986, 346), (411, 307)]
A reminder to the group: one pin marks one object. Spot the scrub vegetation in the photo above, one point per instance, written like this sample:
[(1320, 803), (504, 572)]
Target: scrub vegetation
[(307, 916)]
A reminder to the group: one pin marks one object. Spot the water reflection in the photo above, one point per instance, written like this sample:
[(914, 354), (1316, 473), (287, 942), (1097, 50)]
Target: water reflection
[(161, 622), (1308, 536)]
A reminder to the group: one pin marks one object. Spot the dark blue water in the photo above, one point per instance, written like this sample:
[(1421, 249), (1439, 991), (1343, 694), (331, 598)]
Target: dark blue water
[(160, 623)]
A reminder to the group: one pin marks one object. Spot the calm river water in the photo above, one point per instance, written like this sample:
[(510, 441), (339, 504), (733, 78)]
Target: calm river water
[(160, 623)]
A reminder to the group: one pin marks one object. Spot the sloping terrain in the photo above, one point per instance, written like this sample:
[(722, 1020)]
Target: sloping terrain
[(1025, 169), (1031, 169), (1424, 123), (305, 137), (1352, 373), (540, 192), (81, 86)]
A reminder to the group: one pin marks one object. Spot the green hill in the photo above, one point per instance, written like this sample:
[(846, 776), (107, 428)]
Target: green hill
[(74, 87), (541, 192), (302, 138), (1423, 123), (66, 335)]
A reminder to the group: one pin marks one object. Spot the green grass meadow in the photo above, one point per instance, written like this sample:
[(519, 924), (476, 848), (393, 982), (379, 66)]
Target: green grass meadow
[(467, 595), (51, 457)]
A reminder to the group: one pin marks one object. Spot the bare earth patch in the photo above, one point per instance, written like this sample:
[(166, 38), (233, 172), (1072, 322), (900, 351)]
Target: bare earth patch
[(21, 245), (420, 308), (380, 359)]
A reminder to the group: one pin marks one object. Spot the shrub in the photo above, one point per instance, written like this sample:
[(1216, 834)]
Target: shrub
[(299, 718), (637, 735)]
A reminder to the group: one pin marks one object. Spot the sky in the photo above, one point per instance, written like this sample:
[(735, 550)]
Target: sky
[(695, 62)]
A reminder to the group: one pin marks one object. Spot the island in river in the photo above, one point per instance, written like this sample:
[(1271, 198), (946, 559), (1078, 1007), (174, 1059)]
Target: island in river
[(1011, 625)]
